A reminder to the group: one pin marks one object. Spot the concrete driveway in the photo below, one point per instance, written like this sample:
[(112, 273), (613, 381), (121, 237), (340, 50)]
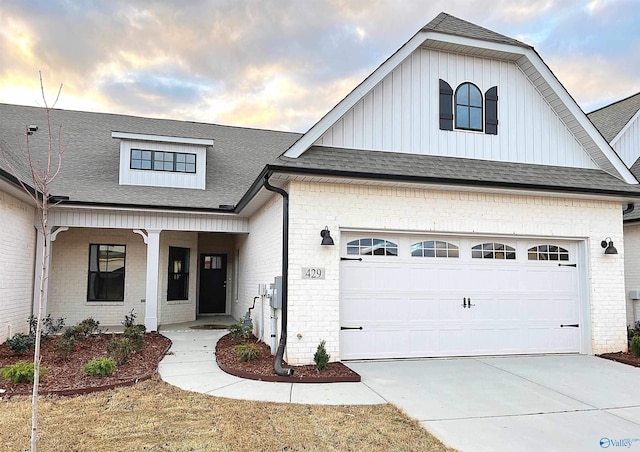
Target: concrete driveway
[(569, 402)]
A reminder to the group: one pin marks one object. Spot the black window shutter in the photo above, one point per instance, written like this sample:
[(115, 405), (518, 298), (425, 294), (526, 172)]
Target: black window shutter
[(491, 111), (446, 106)]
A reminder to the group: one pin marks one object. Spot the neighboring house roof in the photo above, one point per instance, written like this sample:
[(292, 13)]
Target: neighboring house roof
[(611, 119), (355, 163), (90, 169)]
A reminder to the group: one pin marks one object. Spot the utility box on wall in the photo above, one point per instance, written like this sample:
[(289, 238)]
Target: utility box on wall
[(276, 293)]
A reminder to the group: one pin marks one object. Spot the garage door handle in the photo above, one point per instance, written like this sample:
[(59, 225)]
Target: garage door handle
[(350, 258), (567, 265), (572, 325), (350, 327)]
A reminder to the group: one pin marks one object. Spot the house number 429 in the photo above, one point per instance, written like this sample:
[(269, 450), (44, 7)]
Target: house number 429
[(312, 273)]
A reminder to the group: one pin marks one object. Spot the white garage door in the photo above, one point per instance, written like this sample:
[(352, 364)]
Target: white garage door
[(426, 296)]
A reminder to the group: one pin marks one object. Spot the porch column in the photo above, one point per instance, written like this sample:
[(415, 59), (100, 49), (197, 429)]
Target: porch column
[(153, 264)]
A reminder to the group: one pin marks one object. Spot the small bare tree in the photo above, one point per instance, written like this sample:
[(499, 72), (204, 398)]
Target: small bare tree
[(36, 171)]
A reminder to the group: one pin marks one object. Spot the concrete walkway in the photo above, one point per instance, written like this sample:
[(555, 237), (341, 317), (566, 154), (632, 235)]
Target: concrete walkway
[(192, 366), (524, 403)]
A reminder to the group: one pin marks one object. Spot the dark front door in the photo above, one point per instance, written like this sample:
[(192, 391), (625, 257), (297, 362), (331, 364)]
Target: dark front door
[(213, 283)]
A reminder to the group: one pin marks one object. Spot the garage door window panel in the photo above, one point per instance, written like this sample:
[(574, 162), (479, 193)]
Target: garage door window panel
[(548, 253), (493, 250), (434, 248), (371, 246)]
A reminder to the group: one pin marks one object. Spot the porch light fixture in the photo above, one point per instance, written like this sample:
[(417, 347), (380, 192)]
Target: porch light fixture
[(326, 236), (608, 244)]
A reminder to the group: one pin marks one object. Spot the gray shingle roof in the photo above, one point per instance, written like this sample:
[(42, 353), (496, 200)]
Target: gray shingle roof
[(610, 120), (447, 24), (90, 168), (455, 170)]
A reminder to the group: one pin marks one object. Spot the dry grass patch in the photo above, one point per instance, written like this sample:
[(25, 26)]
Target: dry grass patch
[(155, 416)]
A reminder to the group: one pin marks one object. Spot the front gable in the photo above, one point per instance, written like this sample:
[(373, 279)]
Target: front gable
[(397, 108), (402, 114)]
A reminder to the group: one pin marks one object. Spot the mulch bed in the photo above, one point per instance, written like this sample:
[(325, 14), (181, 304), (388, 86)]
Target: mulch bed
[(261, 368), (66, 377), (622, 357)]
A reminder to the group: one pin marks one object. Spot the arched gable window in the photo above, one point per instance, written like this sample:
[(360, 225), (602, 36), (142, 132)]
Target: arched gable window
[(468, 107), (434, 248), (493, 251), (372, 247), (548, 253)]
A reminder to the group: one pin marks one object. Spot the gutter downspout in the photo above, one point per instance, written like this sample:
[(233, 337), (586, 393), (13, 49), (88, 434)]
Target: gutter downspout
[(630, 208), (277, 364)]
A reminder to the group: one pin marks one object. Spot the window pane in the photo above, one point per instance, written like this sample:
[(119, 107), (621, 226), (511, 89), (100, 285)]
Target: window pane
[(190, 158), (462, 117), (475, 98), (135, 154), (190, 168), (475, 118), (462, 96), (453, 252)]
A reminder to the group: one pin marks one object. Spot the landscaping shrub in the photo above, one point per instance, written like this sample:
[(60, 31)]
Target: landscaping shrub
[(49, 326), (633, 331), (635, 346), (21, 372), (89, 326), (321, 357), (100, 367), (129, 319), (247, 352), (239, 331), (20, 343), (120, 349), (135, 335), (68, 344)]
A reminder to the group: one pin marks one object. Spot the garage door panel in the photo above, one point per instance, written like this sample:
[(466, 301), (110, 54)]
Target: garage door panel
[(561, 309), (412, 306), (439, 278)]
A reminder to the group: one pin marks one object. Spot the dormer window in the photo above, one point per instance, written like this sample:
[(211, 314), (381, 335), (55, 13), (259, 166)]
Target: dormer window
[(471, 111), (162, 161)]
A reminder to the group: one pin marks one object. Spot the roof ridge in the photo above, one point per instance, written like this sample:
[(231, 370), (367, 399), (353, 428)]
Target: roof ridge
[(452, 25)]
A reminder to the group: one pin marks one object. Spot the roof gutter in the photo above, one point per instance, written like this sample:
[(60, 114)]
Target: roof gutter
[(277, 364)]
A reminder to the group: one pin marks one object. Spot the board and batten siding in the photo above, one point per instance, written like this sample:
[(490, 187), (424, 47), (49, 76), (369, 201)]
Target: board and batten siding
[(627, 143), (401, 114), (178, 221), (17, 254)]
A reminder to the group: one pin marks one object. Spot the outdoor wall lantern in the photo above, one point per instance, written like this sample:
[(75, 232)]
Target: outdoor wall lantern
[(326, 236), (608, 244)]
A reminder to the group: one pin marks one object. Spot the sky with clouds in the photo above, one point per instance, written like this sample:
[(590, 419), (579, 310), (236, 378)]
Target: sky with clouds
[(281, 64)]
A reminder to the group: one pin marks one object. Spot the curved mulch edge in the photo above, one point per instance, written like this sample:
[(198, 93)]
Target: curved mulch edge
[(276, 378), (620, 359), (89, 389)]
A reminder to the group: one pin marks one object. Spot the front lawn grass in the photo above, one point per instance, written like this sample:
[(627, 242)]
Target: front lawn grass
[(155, 416)]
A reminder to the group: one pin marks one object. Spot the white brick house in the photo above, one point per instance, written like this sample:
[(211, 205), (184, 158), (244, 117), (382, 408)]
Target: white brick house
[(619, 124), (465, 192)]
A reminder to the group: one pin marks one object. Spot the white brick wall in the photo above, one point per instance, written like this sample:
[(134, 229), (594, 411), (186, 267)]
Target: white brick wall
[(68, 277), (260, 262), (632, 270), (17, 254), (314, 304), (179, 310)]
